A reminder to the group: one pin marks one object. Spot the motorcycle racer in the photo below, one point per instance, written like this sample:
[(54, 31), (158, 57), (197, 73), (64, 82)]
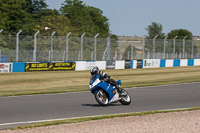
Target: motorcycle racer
[(104, 77)]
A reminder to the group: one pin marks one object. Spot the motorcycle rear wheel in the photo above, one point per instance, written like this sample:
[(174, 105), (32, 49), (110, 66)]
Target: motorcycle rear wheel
[(126, 99), (101, 98)]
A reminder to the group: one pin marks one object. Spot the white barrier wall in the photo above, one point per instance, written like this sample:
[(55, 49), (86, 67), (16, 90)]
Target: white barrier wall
[(184, 62), (196, 62), (5, 67), (134, 64), (101, 65), (87, 65), (169, 63), (151, 63), (80, 65), (119, 64)]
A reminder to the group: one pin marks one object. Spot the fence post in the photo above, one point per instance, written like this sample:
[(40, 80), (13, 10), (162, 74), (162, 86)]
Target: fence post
[(184, 45), (128, 55), (174, 49), (92, 55), (154, 44), (104, 54), (143, 41), (115, 58), (67, 46), (49, 55), (82, 45), (35, 46), (120, 48), (52, 34), (164, 46), (192, 49), (0, 49), (95, 46), (0, 55), (17, 46), (108, 47), (132, 39)]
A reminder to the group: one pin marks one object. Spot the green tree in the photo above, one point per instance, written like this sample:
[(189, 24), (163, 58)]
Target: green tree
[(155, 29), (181, 33), (85, 18), (14, 15)]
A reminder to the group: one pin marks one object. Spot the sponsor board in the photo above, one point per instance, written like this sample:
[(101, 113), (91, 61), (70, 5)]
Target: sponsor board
[(139, 63), (151, 63), (5, 67), (127, 64), (89, 65), (110, 64), (50, 66)]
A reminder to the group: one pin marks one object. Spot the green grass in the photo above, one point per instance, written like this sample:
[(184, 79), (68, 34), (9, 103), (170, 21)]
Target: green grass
[(13, 84), (67, 121)]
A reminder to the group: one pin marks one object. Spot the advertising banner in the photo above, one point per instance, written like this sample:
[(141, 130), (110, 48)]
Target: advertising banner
[(87, 65), (110, 64), (5, 67), (151, 63), (127, 64), (139, 63), (50, 66)]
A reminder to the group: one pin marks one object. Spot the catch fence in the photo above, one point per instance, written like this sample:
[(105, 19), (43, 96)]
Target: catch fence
[(24, 48)]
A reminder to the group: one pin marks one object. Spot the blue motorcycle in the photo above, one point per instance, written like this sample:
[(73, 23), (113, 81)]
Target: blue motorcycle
[(106, 93)]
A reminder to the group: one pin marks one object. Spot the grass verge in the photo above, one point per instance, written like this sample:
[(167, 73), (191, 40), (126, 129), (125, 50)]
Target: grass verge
[(29, 83), (67, 121)]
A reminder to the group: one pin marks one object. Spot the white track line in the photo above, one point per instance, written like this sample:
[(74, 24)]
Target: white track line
[(30, 122)]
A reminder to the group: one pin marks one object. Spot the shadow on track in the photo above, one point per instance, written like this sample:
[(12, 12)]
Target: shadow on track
[(97, 105)]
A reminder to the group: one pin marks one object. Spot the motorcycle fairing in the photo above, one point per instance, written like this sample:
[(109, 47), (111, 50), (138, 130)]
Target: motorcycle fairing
[(96, 85)]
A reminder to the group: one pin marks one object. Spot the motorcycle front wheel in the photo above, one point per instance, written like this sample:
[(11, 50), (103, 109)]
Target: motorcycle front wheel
[(101, 98), (125, 98)]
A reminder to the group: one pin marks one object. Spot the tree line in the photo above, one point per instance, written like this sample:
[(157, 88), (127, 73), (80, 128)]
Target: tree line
[(33, 15)]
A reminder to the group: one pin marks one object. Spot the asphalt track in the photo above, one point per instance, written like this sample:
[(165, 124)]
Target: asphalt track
[(21, 110)]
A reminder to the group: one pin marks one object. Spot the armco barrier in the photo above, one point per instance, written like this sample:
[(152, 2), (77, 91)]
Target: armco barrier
[(19, 67), (5, 67)]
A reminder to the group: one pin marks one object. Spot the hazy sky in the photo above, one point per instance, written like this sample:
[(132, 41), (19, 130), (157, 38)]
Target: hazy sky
[(131, 17)]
